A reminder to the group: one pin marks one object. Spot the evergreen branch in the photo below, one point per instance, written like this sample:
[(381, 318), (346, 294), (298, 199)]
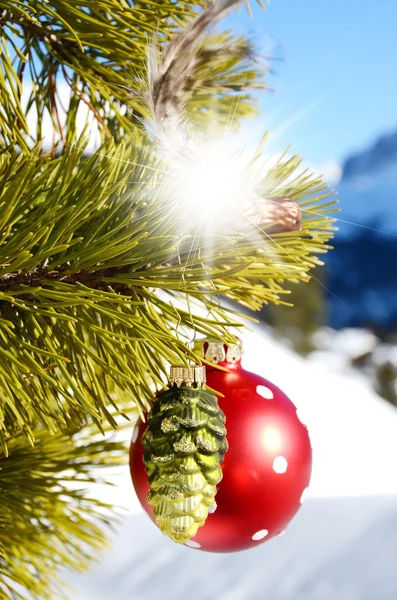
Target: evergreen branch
[(102, 49), (49, 521), (80, 315)]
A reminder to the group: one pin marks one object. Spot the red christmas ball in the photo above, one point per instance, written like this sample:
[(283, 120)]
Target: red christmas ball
[(266, 469)]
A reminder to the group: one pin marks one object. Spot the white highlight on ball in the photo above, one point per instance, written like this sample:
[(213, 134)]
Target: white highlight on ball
[(265, 392), (192, 544), (135, 434), (259, 535), (280, 464), (272, 440)]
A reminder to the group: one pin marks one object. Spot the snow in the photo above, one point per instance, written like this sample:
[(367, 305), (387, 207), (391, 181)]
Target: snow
[(385, 353), (334, 549), (352, 342)]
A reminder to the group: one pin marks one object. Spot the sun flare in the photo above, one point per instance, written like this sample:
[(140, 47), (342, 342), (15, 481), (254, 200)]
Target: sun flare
[(215, 186)]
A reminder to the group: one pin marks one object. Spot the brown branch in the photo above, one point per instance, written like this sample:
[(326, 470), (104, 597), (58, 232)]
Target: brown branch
[(21, 72), (12, 282), (92, 108)]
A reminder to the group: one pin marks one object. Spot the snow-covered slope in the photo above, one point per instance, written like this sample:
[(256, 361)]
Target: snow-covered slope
[(341, 549)]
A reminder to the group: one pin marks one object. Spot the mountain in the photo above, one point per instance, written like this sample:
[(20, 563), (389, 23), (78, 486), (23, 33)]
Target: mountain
[(362, 282), (362, 274), (368, 189), (380, 154)]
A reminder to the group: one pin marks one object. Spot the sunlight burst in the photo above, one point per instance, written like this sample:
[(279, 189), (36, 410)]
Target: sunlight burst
[(214, 185)]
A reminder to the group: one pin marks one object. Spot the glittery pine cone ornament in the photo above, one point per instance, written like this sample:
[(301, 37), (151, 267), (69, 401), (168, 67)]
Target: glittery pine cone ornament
[(184, 445)]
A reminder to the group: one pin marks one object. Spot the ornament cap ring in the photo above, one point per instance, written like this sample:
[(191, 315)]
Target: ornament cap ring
[(216, 351), (188, 375)]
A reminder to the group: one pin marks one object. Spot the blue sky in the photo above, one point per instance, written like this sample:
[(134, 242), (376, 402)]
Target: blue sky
[(338, 83)]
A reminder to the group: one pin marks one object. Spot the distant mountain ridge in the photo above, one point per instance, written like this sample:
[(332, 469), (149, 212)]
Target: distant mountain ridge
[(378, 155), (362, 274)]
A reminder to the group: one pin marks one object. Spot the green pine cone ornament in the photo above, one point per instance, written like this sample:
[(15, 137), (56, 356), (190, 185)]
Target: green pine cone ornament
[(184, 445)]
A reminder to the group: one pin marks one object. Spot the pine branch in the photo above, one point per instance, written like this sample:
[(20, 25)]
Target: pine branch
[(96, 54), (86, 244), (14, 282), (48, 520)]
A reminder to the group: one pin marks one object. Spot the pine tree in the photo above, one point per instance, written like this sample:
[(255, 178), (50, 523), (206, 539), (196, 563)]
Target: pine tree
[(97, 248)]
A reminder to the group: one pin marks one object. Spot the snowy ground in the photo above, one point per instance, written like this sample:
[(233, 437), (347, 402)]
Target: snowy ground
[(339, 549), (341, 544)]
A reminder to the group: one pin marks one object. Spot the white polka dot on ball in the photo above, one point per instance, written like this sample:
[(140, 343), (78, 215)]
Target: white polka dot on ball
[(283, 532), (192, 544), (265, 392), (280, 465), (135, 434), (260, 535), (304, 495)]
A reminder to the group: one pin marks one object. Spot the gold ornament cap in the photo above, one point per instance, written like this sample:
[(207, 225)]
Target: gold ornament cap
[(187, 375), (215, 351)]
